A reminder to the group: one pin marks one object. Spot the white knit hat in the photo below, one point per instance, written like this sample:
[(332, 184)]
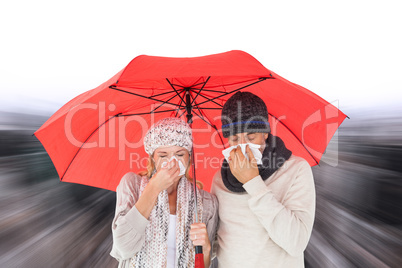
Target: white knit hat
[(170, 131)]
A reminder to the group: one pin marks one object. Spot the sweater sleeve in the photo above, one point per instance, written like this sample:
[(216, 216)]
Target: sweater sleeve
[(210, 217), (128, 226), (214, 238), (289, 222)]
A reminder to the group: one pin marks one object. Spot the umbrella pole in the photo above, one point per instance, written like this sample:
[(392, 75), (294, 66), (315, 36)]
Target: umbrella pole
[(194, 186), (199, 256)]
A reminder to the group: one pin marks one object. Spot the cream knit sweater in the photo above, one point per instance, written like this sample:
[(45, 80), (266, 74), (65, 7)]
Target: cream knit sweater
[(270, 224)]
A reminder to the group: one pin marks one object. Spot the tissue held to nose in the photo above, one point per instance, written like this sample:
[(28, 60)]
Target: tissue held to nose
[(254, 149), (181, 166)]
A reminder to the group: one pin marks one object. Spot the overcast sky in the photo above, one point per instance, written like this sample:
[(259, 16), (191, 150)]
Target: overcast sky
[(345, 51)]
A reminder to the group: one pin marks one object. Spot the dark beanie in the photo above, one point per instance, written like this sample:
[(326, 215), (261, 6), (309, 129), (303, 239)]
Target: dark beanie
[(244, 112)]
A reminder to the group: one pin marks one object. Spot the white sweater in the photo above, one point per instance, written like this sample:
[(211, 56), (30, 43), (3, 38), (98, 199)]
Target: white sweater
[(270, 224)]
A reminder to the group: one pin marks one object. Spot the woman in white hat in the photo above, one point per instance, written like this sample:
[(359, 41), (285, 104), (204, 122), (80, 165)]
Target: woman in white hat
[(153, 224)]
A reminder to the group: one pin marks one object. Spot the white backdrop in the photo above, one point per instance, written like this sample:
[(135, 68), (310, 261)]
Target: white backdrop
[(346, 51)]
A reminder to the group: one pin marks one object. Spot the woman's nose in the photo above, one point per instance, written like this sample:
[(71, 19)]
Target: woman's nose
[(169, 155)]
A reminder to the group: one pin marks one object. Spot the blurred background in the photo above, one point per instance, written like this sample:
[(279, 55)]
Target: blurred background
[(47, 223), (348, 52)]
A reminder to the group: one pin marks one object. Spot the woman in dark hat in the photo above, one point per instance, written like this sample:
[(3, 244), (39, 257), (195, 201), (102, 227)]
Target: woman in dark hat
[(266, 198)]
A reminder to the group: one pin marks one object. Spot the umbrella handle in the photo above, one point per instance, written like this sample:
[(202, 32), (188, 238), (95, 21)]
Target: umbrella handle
[(199, 257)]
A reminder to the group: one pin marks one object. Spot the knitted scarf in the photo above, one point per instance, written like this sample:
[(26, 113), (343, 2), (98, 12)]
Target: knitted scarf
[(153, 253), (274, 156)]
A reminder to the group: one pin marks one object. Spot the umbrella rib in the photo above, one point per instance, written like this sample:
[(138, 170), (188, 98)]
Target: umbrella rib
[(157, 95), (175, 90), (210, 90), (93, 132), (213, 126), (203, 114), (176, 85), (198, 84), (199, 115), (135, 94), (164, 111), (230, 92), (182, 113), (208, 108), (295, 137), (208, 99), (200, 89), (162, 104), (219, 134), (194, 85), (202, 117), (178, 109), (233, 84)]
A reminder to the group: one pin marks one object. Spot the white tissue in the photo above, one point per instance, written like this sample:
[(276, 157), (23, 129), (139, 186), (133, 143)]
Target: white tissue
[(254, 149), (181, 166)]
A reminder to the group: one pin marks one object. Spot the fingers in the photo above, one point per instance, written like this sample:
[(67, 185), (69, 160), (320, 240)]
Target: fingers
[(172, 163), (168, 174), (237, 159), (169, 164), (231, 159), (175, 171), (175, 174), (236, 155), (197, 226), (234, 160), (199, 234), (239, 153), (250, 155), (232, 154), (165, 165), (170, 168), (173, 167)]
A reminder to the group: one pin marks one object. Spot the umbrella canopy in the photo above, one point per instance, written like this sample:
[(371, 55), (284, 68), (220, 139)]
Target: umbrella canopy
[(97, 137)]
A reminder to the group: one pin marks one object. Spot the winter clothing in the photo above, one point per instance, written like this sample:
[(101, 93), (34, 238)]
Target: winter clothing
[(274, 156), (170, 131), (154, 250), (268, 225), (133, 234), (244, 112)]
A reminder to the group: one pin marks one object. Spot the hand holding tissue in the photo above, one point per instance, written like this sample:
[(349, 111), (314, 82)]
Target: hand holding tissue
[(181, 166), (253, 147)]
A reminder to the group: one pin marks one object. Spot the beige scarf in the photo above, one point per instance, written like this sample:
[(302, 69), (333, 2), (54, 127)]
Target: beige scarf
[(153, 253)]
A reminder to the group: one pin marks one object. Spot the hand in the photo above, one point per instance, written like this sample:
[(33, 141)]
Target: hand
[(244, 170), (199, 236), (166, 176)]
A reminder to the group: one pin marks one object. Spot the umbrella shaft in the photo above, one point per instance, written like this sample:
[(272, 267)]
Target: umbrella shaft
[(189, 107), (195, 186)]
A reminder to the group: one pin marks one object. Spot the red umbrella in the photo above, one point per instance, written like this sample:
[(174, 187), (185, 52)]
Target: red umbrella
[(97, 137)]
